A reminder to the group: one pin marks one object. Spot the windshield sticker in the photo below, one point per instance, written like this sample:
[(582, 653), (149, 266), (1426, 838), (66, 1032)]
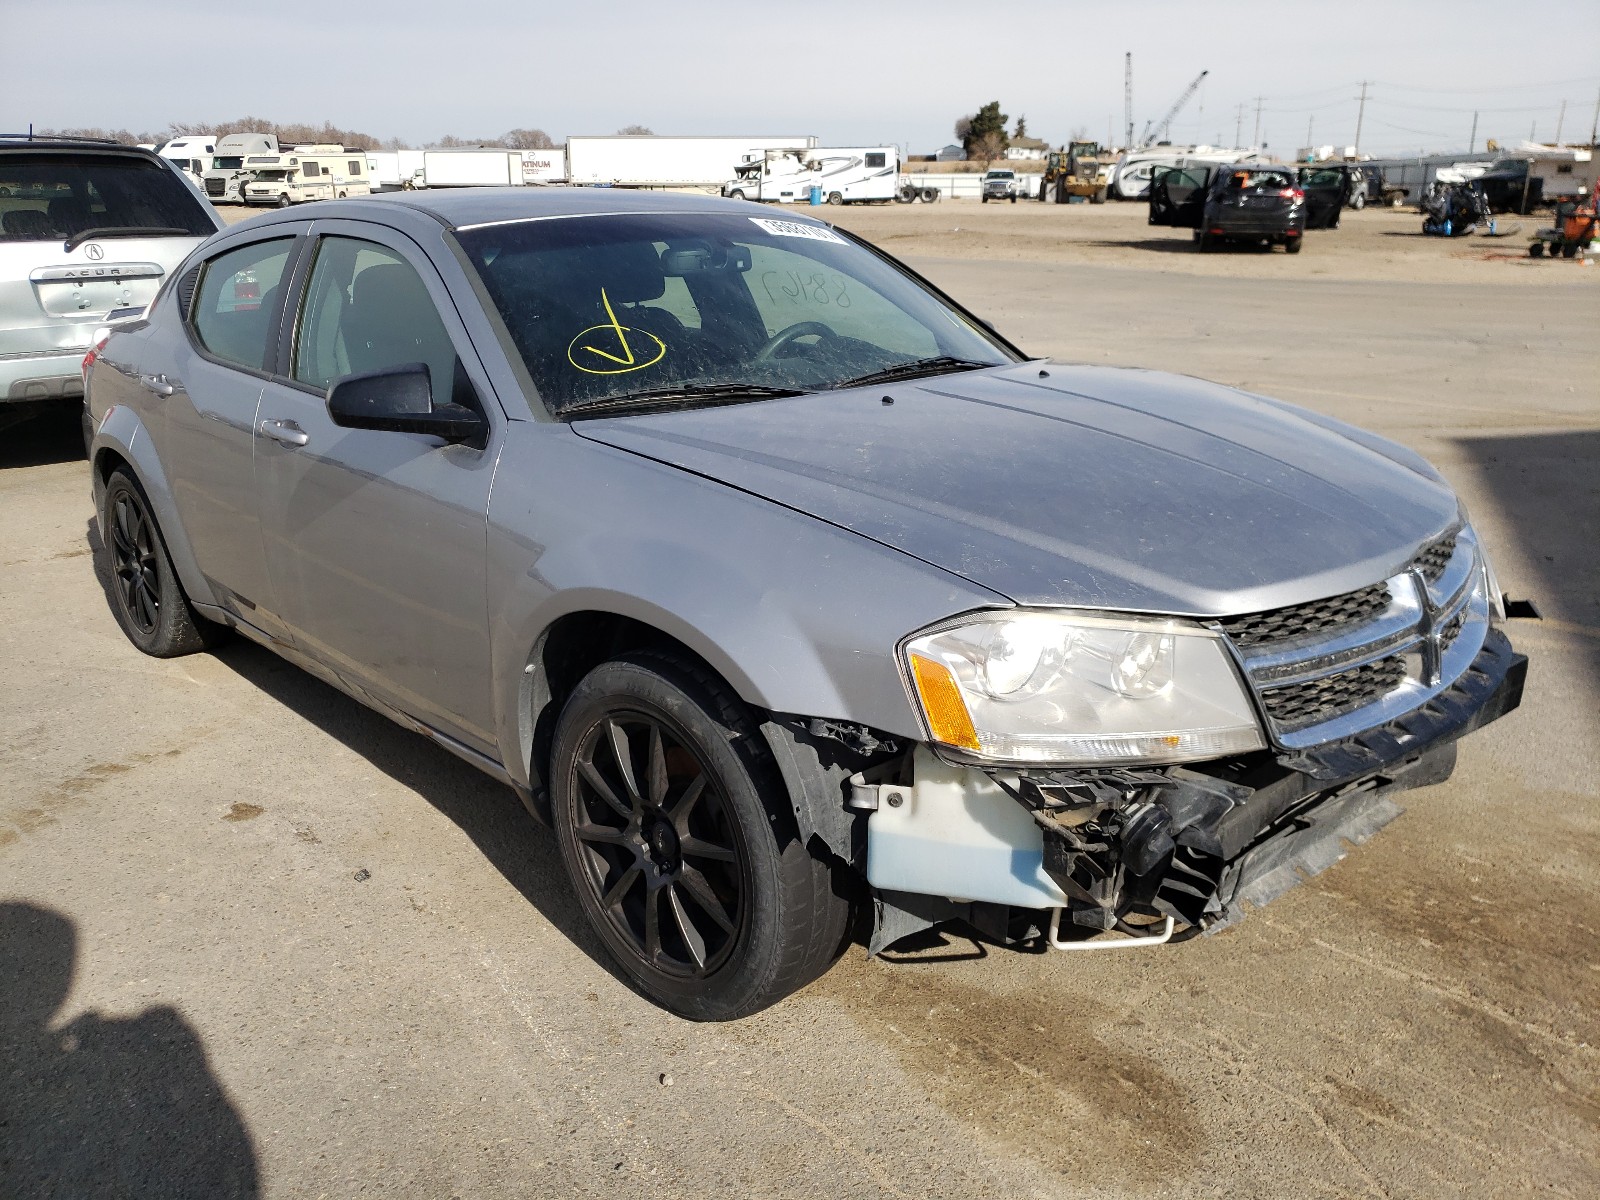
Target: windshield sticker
[(608, 350), (794, 229)]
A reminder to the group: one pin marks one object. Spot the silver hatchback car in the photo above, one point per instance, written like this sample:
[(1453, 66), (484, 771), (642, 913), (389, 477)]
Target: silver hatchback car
[(782, 587), (86, 227)]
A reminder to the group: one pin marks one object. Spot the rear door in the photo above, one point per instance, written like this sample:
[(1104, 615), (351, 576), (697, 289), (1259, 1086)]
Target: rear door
[(377, 541), (1326, 188), (1178, 195)]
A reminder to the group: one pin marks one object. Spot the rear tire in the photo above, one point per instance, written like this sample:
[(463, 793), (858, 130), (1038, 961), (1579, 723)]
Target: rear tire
[(146, 597), (835, 198), (685, 860), (1358, 201), (1292, 245)]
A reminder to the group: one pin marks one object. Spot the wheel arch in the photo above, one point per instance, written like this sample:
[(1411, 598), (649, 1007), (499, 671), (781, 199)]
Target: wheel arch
[(123, 441)]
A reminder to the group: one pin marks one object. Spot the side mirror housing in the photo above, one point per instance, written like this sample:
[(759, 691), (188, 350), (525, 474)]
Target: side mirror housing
[(400, 400)]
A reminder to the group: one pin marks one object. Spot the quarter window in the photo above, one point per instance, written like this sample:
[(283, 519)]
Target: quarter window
[(367, 309), (238, 293)]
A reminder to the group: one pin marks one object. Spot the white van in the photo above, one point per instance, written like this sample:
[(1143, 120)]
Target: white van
[(845, 175), (190, 154), (307, 173)]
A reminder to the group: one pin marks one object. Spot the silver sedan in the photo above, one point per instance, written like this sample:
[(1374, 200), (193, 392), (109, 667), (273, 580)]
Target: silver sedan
[(800, 603)]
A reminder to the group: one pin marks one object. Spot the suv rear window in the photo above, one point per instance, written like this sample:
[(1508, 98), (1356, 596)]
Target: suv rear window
[(51, 197)]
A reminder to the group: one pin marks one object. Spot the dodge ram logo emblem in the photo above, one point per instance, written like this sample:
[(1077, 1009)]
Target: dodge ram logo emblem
[(93, 253)]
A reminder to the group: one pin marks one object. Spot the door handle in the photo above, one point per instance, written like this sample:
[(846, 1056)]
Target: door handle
[(161, 385), (285, 433)]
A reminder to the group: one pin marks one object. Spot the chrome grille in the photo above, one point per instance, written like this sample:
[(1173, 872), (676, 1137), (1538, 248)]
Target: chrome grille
[(1318, 700), (1303, 620), (1329, 668)]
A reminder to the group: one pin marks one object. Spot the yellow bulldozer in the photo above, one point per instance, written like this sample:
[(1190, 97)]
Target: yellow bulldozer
[(1078, 169)]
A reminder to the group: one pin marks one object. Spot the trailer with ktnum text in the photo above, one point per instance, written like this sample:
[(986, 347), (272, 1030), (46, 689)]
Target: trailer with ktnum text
[(648, 161)]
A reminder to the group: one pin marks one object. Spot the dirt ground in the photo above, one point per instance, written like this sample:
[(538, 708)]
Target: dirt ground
[(257, 940)]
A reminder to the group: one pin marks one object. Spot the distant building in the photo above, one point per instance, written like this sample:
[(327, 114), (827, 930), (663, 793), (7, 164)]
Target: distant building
[(1027, 148), (951, 153)]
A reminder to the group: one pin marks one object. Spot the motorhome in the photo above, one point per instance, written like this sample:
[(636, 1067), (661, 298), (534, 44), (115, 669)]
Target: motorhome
[(1131, 179), (306, 173), (225, 176), (190, 154), (849, 175)]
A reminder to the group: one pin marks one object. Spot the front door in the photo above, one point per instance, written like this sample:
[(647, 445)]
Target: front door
[(1326, 189), (1178, 196), (376, 541)]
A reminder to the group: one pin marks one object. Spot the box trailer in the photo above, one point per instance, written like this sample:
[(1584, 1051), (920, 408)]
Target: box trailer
[(644, 160), (478, 167), (395, 170), (841, 175)]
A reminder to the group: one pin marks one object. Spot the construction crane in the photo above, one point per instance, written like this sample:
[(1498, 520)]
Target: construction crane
[(1164, 126)]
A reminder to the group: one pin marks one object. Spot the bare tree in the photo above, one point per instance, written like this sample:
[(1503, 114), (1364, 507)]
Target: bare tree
[(988, 148), (527, 139), (637, 131)]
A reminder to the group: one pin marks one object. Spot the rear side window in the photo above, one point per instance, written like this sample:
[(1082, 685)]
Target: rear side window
[(309, 169), (877, 160), (355, 166), (53, 196), (233, 307), (367, 309)]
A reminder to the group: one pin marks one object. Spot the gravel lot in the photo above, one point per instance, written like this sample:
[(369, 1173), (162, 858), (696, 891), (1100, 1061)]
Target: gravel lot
[(256, 939)]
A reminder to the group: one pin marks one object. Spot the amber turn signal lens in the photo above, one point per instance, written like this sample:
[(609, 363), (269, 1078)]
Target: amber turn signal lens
[(948, 719)]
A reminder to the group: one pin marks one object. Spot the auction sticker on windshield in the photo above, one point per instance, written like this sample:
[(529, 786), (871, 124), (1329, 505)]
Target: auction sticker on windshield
[(795, 229)]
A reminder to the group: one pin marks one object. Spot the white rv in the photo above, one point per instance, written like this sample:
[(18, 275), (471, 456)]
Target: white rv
[(855, 175), (306, 173), (191, 154), (225, 175), (1131, 180)]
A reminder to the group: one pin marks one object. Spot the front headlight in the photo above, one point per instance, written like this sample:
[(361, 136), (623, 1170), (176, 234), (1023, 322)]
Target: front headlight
[(1037, 687)]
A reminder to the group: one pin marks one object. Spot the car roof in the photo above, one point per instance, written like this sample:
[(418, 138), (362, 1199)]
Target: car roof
[(460, 208), (22, 141)]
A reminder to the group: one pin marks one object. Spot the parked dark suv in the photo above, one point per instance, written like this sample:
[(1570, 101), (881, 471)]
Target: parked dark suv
[(1248, 201), (86, 227)]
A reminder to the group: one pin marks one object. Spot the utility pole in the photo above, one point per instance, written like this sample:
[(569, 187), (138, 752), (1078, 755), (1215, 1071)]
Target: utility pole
[(1310, 123), (1238, 125), (1361, 114), (1127, 97), (1472, 142), (1560, 121), (1594, 126), (1257, 141)]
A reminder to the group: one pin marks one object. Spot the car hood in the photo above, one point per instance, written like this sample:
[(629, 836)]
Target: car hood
[(1089, 487)]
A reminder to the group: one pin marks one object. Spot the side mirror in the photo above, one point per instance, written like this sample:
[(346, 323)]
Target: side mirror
[(400, 400)]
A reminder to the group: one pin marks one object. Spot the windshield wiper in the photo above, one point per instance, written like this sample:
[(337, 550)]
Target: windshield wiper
[(714, 392), (84, 235), (941, 364)]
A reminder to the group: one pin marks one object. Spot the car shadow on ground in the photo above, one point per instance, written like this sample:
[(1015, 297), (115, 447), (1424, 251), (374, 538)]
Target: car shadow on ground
[(104, 1105), (1179, 246), (1546, 489), (53, 436), (488, 812)]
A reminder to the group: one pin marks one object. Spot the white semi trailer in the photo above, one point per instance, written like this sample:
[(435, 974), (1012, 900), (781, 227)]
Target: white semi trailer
[(841, 175), (395, 170), (644, 160), (475, 167)]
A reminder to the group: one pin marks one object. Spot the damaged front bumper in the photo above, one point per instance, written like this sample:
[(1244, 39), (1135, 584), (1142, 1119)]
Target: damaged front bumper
[(1073, 853)]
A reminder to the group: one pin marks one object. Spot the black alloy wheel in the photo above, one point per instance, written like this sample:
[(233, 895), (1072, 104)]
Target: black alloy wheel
[(146, 596), (657, 846), (676, 830), (135, 574)]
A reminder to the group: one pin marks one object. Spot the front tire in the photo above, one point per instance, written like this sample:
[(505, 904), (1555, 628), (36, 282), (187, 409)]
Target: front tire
[(146, 597), (676, 832), (736, 194), (283, 200)]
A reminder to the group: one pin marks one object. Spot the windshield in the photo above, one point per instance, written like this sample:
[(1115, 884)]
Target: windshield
[(606, 307), (272, 176), (1001, 175), (45, 197), (227, 162)]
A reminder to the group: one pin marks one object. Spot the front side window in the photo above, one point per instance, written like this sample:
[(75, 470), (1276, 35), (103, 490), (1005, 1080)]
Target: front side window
[(367, 309), (877, 159), (235, 302), (608, 307), (309, 169)]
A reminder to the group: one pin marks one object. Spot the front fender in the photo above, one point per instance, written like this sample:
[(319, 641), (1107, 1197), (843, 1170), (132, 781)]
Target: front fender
[(122, 434), (798, 616)]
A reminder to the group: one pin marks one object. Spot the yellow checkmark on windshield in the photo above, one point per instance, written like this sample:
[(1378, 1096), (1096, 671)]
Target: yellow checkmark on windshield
[(613, 346)]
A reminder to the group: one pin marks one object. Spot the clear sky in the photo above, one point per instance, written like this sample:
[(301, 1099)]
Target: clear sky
[(852, 72)]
